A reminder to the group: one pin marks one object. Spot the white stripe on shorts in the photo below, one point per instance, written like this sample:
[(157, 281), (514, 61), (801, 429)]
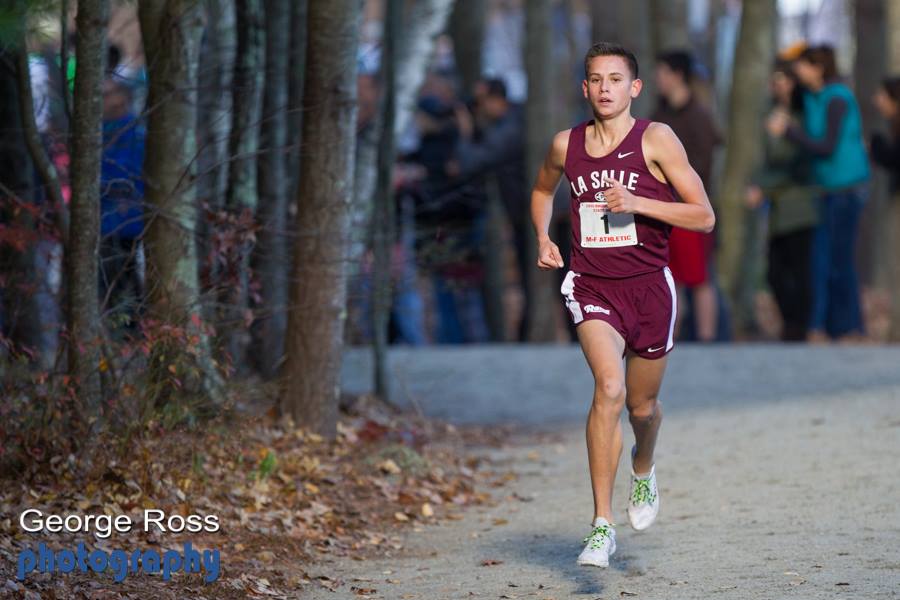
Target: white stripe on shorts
[(671, 283), (567, 289)]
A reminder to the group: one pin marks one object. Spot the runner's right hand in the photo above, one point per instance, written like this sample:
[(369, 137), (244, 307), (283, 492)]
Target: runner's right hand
[(549, 256)]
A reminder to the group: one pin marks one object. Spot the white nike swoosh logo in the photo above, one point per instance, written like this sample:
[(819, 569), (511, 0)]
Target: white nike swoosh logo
[(655, 349), (626, 154)]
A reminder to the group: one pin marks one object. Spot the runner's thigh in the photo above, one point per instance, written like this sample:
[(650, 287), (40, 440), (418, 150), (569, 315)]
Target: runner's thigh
[(603, 348)]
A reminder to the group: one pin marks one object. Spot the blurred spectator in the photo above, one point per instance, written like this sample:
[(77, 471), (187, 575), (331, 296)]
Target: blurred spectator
[(886, 148), (451, 218), (832, 134), (494, 142), (784, 180), (121, 203), (690, 252)]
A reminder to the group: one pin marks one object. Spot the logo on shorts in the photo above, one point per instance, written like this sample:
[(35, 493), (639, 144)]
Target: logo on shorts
[(591, 308), (655, 349)]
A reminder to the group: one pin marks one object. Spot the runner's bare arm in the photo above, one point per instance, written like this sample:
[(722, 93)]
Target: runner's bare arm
[(542, 201), (662, 146)]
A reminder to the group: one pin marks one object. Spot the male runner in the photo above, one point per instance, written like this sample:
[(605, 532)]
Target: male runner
[(623, 174)]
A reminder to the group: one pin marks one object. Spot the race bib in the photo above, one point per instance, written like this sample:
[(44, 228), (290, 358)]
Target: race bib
[(601, 228)]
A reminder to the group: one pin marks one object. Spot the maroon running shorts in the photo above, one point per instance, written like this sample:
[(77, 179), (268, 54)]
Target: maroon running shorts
[(641, 308)]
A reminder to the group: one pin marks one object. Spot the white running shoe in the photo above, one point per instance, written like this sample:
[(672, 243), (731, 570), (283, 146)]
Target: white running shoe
[(601, 544), (643, 503)]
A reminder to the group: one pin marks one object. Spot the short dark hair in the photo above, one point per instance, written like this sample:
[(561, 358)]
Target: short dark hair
[(496, 88), (609, 49), (821, 56), (678, 61)]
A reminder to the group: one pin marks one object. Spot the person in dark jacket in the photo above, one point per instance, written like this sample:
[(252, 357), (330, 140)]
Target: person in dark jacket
[(494, 142), (690, 252), (886, 148), (450, 219)]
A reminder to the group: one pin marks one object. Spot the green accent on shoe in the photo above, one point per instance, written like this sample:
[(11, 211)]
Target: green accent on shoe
[(597, 534), (641, 493)]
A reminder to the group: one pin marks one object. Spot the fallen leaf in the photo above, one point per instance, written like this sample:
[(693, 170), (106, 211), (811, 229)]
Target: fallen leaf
[(427, 511), (389, 466), (363, 591), (490, 562), (401, 516)]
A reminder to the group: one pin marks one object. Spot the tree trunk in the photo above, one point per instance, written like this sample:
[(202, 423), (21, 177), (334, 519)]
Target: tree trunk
[(467, 30), (295, 93), (46, 170), (241, 197), (81, 258), (466, 27), (869, 69), (426, 21), (214, 111), (606, 22), (385, 209), (753, 59), (637, 36), (893, 209), (270, 257), (670, 25), (318, 284), (539, 132), (171, 34)]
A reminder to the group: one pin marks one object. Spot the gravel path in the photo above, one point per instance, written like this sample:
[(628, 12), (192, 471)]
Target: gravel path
[(776, 466)]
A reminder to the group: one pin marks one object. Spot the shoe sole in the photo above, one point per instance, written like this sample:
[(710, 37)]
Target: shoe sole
[(585, 563), (591, 564)]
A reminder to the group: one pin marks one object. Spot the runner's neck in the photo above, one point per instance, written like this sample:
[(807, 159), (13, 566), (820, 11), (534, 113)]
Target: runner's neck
[(608, 134)]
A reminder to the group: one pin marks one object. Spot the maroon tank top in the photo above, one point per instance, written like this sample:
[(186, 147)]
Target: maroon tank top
[(609, 244)]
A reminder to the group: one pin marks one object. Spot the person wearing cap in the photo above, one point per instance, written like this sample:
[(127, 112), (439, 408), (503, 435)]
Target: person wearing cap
[(832, 135)]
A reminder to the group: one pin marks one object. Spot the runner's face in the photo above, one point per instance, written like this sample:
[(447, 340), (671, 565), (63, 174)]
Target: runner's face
[(609, 87)]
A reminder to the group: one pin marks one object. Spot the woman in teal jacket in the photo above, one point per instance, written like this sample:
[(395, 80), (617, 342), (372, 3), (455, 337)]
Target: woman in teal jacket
[(832, 135)]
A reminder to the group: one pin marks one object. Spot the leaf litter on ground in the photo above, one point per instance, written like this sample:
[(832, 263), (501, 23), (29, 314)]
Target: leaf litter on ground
[(286, 498)]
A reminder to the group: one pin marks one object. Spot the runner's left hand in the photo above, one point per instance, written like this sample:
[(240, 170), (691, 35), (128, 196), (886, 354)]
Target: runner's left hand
[(618, 198)]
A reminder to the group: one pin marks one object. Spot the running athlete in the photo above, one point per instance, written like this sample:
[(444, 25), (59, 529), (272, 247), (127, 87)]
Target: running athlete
[(624, 175)]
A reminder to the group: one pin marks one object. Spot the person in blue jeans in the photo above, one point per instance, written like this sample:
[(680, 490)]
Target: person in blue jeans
[(832, 134)]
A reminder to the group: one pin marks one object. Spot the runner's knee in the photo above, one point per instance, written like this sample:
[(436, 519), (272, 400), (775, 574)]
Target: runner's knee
[(644, 412), (610, 390)]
